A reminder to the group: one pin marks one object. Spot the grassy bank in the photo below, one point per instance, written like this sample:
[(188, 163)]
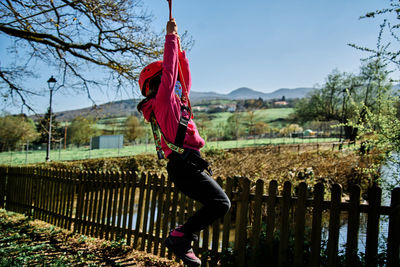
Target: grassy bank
[(263, 162), (25, 242), (23, 157)]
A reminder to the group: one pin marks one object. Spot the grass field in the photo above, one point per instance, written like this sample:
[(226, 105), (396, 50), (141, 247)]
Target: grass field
[(270, 116), (23, 157)]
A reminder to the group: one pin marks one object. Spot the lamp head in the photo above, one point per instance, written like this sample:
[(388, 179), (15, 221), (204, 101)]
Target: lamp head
[(51, 82)]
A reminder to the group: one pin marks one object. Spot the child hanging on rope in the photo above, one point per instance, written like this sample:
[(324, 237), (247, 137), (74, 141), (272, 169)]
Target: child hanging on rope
[(166, 84)]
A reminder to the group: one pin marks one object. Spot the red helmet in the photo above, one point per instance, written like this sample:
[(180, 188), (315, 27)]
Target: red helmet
[(147, 73)]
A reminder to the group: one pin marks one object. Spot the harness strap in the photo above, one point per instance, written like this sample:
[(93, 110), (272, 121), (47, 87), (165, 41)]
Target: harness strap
[(182, 127), (157, 139)]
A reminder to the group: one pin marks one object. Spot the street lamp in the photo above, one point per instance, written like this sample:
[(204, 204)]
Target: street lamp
[(51, 83)]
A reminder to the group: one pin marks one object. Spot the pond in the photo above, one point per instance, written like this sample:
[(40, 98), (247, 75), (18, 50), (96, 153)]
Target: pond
[(390, 172)]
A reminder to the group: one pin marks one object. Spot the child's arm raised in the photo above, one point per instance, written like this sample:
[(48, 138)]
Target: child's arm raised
[(170, 63)]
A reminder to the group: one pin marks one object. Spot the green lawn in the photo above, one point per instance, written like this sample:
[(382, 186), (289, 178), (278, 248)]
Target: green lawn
[(266, 115), (18, 158), (269, 116)]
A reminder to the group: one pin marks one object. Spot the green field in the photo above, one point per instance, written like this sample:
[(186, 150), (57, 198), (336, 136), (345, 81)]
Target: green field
[(18, 158), (274, 117), (271, 116)]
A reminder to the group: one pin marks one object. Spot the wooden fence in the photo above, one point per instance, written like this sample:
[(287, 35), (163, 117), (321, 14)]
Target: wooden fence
[(143, 208)]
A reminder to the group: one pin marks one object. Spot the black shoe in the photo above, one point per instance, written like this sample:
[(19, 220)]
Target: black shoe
[(180, 244)]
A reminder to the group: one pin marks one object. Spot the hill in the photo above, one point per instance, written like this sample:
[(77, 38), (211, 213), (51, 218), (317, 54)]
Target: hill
[(127, 107), (120, 108), (247, 93)]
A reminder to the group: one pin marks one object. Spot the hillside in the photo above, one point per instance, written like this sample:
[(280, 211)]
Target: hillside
[(128, 107), (247, 93), (120, 108)]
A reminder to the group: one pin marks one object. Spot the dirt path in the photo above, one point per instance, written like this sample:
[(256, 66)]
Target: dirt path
[(25, 242)]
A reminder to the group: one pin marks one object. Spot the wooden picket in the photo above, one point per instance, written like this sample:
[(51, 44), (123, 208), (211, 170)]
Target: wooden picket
[(142, 208)]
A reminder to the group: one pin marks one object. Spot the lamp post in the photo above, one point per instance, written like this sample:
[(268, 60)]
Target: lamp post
[(51, 83)]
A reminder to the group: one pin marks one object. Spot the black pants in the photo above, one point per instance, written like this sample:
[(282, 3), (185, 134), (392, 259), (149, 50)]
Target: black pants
[(196, 184)]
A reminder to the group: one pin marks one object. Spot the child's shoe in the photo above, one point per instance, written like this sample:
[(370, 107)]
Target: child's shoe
[(180, 244)]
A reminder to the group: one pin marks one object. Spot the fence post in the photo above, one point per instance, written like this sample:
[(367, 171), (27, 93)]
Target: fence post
[(160, 207), (256, 229), (78, 176), (334, 224), (284, 235), (106, 187), (115, 183), (241, 222), (215, 235), (228, 216), (270, 219), (3, 183), (166, 215), (153, 202), (371, 248), (96, 191), (300, 225), (316, 225), (125, 206), (353, 226), (132, 185), (71, 198), (145, 237), (394, 231), (139, 211)]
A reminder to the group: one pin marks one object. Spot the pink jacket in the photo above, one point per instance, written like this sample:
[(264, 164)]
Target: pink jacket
[(167, 105)]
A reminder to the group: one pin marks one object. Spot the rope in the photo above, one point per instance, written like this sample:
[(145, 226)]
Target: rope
[(170, 9), (185, 94)]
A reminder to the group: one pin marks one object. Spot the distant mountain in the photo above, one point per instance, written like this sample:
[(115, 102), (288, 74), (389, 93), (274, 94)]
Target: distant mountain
[(128, 107), (120, 108), (247, 93)]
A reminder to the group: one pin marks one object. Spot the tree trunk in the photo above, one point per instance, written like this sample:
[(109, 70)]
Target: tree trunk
[(350, 133)]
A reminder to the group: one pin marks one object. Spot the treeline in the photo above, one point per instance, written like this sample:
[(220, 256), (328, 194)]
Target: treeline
[(19, 131), (356, 102), (251, 104)]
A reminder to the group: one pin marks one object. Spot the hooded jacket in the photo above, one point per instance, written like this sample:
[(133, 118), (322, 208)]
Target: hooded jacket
[(166, 105)]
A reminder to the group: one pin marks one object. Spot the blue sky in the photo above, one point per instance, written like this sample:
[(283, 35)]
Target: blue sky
[(260, 44)]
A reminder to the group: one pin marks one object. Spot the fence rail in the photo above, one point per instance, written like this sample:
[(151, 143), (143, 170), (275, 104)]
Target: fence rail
[(142, 208)]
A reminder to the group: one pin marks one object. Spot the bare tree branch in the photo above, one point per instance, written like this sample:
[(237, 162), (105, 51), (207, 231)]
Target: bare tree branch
[(79, 39)]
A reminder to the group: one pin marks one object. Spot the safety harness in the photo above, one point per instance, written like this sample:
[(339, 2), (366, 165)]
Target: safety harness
[(185, 115)]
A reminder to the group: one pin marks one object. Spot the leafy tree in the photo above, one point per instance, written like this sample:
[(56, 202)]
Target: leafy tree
[(234, 126), (331, 102), (16, 130), (110, 37), (250, 122), (387, 47), (80, 130), (380, 124), (203, 122), (261, 128), (42, 127), (133, 129)]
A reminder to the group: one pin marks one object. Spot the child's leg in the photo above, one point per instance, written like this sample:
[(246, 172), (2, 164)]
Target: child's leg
[(200, 187)]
